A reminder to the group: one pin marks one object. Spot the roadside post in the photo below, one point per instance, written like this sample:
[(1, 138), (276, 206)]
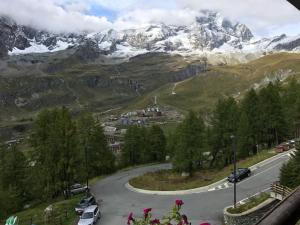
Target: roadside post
[(87, 170), (234, 169)]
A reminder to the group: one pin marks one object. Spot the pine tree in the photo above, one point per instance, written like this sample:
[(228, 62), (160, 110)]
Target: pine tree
[(100, 159), (56, 155), (289, 173), (273, 120), (291, 103), (224, 125), (13, 192), (156, 144), (244, 138), (190, 144), (134, 147), (172, 138), (85, 126), (67, 142), (250, 106), (13, 169)]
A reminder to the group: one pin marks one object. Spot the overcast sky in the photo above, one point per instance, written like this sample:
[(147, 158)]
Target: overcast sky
[(263, 17)]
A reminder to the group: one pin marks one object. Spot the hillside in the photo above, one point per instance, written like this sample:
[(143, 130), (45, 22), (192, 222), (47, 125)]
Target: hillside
[(202, 91), (26, 86)]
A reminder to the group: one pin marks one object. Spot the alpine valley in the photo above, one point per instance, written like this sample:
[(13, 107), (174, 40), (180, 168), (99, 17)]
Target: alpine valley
[(186, 67)]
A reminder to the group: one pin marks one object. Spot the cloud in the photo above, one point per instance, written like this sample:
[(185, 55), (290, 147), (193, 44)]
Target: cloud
[(81, 7), (264, 17), (131, 5), (140, 17), (118, 5), (57, 16)]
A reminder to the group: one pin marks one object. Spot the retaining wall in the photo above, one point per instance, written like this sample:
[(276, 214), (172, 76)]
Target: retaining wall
[(251, 216)]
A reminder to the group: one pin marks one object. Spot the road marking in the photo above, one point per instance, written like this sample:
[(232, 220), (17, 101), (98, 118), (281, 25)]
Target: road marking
[(292, 154), (243, 201), (220, 187), (212, 187), (228, 185), (254, 175)]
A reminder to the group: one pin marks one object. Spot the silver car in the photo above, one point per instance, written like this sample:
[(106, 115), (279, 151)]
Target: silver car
[(90, 215), (78, 188)]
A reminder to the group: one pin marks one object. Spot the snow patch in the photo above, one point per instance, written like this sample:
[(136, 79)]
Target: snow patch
[(40, 48), (105, 45), (34, 48), (127, 51)]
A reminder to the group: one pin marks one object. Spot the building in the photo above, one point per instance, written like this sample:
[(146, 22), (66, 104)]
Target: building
[(115, 138)]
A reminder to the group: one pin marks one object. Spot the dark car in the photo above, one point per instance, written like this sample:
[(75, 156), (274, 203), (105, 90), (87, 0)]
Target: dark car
[(241, 173), (84, 203)]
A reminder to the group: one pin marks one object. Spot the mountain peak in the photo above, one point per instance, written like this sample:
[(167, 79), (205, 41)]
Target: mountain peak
[(209, 32)]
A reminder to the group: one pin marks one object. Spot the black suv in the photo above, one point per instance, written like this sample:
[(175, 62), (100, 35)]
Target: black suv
[(84, 203), (241, 173)]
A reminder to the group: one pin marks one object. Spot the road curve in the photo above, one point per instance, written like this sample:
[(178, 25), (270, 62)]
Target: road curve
[(117, 201)]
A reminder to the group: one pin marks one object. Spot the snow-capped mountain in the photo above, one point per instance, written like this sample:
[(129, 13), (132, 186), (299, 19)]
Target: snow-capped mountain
[(209, 33), (17, 39)]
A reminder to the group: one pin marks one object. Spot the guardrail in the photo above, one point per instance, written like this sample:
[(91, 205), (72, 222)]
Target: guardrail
[(280, 191), (286, 212)]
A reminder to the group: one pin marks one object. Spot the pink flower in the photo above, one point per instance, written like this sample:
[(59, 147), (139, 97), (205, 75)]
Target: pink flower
[(146, 211), (179, 202), (204, 224), (130, 218), (155, 221)]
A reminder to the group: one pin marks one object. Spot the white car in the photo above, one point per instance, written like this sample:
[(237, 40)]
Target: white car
[(90, 215)]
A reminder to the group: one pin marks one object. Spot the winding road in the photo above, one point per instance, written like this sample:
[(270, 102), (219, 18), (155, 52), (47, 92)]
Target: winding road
[(116, 201)]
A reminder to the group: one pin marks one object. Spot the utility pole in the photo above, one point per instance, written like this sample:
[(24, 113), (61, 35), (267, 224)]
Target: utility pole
[(234, 168), (86, 168)]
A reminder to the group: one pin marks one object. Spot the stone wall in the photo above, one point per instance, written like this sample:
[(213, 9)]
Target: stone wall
[(251, 216)]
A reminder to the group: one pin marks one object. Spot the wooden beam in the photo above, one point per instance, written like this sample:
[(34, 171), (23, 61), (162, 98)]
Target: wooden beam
[(285, 213), (295, 3)]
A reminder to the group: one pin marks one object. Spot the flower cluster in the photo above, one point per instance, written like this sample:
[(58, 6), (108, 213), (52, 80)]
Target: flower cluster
[(173, 218)]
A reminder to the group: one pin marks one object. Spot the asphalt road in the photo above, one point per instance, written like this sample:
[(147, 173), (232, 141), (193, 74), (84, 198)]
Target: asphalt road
[(116, 201)]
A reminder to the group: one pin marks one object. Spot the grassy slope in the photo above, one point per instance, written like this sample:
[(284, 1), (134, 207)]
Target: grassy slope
[(153, 71), (63, 213), (253, 202), (201, 92), (168, 180), (94, 86)]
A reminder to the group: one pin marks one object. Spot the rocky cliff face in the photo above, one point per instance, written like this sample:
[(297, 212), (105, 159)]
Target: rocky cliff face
[(209, 32), (27, 84), (22, 39), (290, 45)]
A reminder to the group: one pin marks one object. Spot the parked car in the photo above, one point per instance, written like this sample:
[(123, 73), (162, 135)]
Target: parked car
[(285, 146), (279, 149), (85, 203), (90, 215), (292, 143), (78, 188), (241, 173)]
